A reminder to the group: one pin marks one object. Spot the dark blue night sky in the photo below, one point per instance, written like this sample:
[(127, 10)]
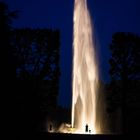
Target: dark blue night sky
[(109, 16)]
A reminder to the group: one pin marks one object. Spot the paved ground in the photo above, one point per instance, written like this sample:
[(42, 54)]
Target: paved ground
[(58, 136)]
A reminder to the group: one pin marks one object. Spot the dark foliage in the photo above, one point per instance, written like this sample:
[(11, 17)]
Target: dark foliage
[(37, 71), (29, 73), (7, 61), (123, 91)]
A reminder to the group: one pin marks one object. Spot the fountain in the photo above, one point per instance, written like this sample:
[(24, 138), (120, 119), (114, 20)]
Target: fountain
[(85, 72), (88, 108)]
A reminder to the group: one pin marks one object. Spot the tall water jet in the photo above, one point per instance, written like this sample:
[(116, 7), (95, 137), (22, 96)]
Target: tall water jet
[(85, 72)]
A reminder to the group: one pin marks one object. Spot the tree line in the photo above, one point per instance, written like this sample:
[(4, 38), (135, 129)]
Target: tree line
[(123, 95), (29, 72)]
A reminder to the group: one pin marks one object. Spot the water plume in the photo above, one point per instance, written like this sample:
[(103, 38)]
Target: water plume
[(85, 72)]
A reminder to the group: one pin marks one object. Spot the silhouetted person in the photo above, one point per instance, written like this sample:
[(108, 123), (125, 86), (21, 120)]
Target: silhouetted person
[(86, 128), (50, 129)]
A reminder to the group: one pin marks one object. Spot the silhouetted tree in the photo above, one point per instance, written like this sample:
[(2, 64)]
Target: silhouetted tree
[(6, 18), (6, 57), (37, 52), (7, 63), (124, 73)]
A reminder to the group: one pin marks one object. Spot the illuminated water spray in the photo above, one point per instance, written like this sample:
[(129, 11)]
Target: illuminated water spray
[(85, 75), (88, 104)]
